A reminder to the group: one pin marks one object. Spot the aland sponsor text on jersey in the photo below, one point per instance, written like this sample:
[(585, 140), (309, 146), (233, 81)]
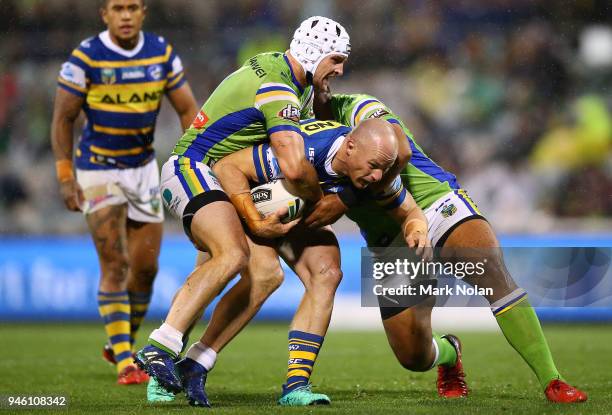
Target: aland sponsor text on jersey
[(123, 90)]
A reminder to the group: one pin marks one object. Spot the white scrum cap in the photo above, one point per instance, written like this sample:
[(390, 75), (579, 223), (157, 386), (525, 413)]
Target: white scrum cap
[(315, 39)]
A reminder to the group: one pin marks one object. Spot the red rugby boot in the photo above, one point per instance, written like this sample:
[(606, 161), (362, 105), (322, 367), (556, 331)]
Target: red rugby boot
[(561, 392), (451, 379), (132, 375), (108, 354)]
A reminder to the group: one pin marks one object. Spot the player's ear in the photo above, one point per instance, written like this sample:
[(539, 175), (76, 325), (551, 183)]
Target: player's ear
[(350, 145), (103, 13)]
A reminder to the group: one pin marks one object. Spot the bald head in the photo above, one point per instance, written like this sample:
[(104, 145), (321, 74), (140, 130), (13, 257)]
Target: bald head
[(376, 137), (371, 149)]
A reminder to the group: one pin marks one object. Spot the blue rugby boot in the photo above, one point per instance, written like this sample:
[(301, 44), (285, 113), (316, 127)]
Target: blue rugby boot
[(193, 376), (159, 364)]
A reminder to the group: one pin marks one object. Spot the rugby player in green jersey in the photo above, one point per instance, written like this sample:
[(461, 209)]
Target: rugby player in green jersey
[(263, 100), (118, 78), (454, 222)]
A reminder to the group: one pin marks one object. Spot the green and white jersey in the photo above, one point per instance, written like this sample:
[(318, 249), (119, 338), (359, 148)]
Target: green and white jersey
[(422, 177), (260, 98)]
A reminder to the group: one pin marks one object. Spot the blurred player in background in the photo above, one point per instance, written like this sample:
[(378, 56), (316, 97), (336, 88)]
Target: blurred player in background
[(454, 223), (118, 78), (262, 101)]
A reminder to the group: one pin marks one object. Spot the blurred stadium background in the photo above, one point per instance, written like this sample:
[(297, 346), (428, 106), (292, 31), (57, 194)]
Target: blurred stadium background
[(513, 96)]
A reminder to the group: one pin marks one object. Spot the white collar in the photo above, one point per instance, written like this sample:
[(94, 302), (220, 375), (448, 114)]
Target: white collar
[(330, 156), (106, 40)]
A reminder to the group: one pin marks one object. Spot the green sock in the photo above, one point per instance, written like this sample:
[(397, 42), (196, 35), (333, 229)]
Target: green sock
[(447, 355), (164, 348), (522, 329)]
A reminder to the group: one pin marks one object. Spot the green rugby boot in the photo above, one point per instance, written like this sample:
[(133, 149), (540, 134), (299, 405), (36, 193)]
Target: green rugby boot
[(155, 393), (303, 396)]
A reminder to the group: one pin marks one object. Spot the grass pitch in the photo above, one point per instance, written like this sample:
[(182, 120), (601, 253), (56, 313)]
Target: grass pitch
[(356, 369)]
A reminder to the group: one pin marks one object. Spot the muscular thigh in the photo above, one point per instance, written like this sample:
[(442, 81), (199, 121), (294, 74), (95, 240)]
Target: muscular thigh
[(476, 241), (311, 252), (108, 230), (192, 193), (216, 227)]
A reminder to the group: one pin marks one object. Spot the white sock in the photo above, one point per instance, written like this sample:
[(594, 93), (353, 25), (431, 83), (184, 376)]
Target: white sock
[(202, 354), (169, 337), (437, 355)]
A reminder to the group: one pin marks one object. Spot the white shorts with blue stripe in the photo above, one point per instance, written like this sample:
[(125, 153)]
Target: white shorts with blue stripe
[(448, 212)]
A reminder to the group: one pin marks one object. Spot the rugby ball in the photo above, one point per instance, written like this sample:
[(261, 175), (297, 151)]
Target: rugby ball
[(272, 196)]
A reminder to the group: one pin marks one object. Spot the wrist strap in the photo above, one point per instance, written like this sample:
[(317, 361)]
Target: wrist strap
[(63, 169), (419, 223)]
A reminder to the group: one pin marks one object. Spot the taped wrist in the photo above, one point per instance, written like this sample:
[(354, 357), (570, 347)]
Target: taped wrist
[(416, 225), (63, 169)]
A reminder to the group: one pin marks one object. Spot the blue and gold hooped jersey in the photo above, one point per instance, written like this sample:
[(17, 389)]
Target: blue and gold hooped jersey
[(322, 140), (123, 90)]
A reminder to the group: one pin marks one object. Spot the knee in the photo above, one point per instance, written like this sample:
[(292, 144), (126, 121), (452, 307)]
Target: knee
[(146, 273), (265, 282), (329, 278), (272, 279), (233, 260), (323, 284)]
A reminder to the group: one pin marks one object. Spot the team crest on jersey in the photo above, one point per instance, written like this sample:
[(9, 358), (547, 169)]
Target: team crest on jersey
[(200, 120), (108, 76), (448, 210), (290, 112), (134, 72), (261, 195), (155, 72), (379, 113)]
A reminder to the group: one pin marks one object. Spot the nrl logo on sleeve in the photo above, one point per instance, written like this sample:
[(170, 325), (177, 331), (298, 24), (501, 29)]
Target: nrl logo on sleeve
[(379, 113), (290, 112), (261, 195)]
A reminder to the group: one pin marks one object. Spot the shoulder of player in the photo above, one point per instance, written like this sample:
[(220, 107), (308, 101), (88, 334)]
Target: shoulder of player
[(270, 67), (155, 44), (367, 106), (87, 49)]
